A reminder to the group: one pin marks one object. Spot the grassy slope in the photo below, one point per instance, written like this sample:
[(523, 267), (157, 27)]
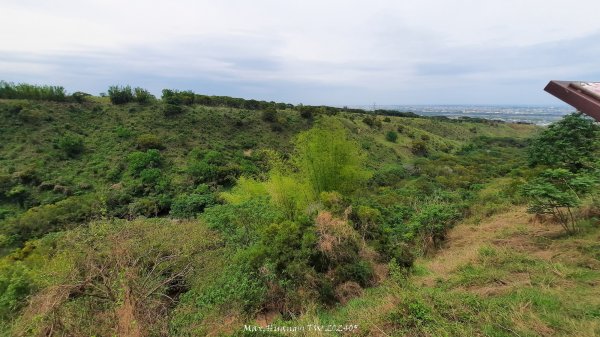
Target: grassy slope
[(510, 275), (28, 138)]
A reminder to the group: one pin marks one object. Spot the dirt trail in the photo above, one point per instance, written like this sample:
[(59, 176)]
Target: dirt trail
[(515, 229)]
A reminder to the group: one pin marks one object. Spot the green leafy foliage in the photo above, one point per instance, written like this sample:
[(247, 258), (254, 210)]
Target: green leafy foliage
[(71, 145), (329, 160), (557, 192), (175, 97), (120, 95), (149, 141), (572, 142), (15, 285), (143, 96), (419, 148), (269, 115), (43, 219), (286, 219), (34, 92), (189, 205), (433, 220), (139, 161), (391, 136)]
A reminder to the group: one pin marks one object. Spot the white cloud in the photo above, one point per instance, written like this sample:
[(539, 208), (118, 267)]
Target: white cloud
[(380, 49)]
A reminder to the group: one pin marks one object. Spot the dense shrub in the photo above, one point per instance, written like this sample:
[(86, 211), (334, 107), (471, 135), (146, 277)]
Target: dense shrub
[(283, 254), (49, 218), (369, 120), (34, 92), (433, 220), (172, 109), (573, 143), (15, 285), (240, 223), (147, 207), (175, 97), (419, 148), (329, 160), (389, 175), (269, 114), (557, 192), (149, 141), (143, 96), (120, 95), (360, 272), (71, 145), (306, 112), (189, 205), (139, 161), (391, 136)]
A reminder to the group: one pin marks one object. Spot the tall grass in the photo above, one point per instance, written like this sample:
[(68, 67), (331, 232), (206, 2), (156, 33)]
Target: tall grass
[(10, 90)]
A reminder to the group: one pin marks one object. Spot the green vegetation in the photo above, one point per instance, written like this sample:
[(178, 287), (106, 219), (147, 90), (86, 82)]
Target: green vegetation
[(123, 95), (136, 216), (570, 148), (33, 92)]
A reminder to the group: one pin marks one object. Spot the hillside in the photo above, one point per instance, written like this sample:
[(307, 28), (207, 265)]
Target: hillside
[(509, 275), (189, 218)]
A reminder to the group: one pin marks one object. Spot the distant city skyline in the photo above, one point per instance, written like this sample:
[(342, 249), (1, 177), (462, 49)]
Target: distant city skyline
[(313, 52)]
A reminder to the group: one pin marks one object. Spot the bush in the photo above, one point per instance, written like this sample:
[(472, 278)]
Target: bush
[(360, 272), (15, 286), (572, 143), (149, 141), (143, 96), (329, 160), (269, 115), (306, 112), (369, 120), (175, 97), (33, 92), (367, 219), (389, 175), (556, 192), (391, 136), (240, 223), (172, 110), (433, 220), (44, 219), (139, 161), (120, 95), (147, 207), (71, 145), (419, 148), (189, 205)]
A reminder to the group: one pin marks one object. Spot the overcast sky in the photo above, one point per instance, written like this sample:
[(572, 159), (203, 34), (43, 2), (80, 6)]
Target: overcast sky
[(313, 52)]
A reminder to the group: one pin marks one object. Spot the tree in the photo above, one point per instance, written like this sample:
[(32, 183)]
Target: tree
[(391, 136), (557, 192), (120, 95), (269, 114), (329, 160), (143, 96), (570, 143)]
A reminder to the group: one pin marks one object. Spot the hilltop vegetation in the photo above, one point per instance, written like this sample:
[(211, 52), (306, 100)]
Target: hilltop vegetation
[(135, 216)]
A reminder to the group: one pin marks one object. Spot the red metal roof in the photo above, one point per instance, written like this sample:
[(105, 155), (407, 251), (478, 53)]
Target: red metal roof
[(583, 96)]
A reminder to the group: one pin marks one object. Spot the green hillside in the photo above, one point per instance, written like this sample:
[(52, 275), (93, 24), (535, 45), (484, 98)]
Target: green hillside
[(196, 215)]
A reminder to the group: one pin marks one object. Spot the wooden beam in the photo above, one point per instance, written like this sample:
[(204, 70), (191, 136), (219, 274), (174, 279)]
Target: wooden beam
[(576, 95)]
